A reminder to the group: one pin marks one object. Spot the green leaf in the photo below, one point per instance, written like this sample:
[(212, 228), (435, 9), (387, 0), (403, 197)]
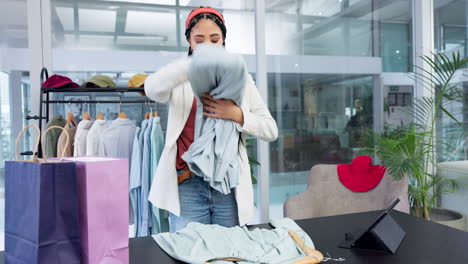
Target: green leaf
[(253, 162), (450, 115)]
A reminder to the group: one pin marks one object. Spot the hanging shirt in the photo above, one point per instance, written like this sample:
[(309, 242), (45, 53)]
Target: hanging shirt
[(199, 243), (186, 137), (160, 217), (53, 135), (145, 177), (94, 137), (135, 182), (117, 140), (62, 142), (81, 136)]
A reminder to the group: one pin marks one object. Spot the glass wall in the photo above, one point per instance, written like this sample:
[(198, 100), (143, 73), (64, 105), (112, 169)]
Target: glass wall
[(450, 36), (450, 27), (397, 107), (322, 117), (14, 87), (342, 28), (144, 25)]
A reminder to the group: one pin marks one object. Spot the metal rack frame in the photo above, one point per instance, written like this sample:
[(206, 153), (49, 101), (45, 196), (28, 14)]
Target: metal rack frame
[(44, 100)]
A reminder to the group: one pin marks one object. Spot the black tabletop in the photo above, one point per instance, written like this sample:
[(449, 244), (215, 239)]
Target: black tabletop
[(425, 242)]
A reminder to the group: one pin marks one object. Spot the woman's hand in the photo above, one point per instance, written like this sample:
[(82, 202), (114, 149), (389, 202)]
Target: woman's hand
[(222, 108)]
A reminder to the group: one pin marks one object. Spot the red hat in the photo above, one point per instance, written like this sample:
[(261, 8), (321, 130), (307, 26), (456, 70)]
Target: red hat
[(203, 10), (57, 81), (360, 175)]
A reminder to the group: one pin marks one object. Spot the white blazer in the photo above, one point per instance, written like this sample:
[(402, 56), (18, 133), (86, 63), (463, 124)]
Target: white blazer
[(170, 84)]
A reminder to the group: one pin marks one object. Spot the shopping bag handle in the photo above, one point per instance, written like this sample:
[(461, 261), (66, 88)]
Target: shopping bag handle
[(36, 146), (66, 143)]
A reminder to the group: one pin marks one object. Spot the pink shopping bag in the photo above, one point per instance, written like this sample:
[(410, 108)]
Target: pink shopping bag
[(104, 215)]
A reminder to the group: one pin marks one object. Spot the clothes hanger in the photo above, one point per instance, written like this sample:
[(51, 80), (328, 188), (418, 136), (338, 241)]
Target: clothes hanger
[(147, 114), (86, 114), (151, 110), (99, 116), (70, 118), (121, 114), (313, 256), (155, 113)]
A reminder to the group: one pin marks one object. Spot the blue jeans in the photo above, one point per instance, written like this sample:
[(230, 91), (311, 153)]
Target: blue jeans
[(203, 204)]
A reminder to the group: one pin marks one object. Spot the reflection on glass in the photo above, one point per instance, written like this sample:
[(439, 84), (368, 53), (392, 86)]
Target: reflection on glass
[(144, 25), (5, 120), (450, 26), (321, 120), (395, 47), (124, 25), (450, 30), (451, 133), (13, 25), (341, 28)]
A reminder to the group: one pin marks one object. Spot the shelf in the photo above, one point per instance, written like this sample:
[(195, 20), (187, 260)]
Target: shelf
[(92, 90), (97, 101)]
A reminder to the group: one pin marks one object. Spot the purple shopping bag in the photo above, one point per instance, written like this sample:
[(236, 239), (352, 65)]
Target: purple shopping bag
[(41, 211), (104, 215)]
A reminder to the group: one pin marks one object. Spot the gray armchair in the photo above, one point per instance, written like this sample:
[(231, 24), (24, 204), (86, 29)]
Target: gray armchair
[(326, 196)]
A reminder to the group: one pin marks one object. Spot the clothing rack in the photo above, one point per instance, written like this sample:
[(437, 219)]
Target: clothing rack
[(44, 100), (97, 101)]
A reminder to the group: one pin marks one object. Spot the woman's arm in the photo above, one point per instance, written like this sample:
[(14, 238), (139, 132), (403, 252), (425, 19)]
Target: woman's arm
[(258, 121), (254, 119), (159, 85)]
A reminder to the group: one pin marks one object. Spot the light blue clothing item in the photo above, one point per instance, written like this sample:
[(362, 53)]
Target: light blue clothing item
[(117, 139), (214, 153), (160, 221), (201, 203), (198, 243), (135, 182), (145, 184)]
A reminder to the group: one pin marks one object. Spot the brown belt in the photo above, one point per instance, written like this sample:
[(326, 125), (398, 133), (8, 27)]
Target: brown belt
[(184, 175)]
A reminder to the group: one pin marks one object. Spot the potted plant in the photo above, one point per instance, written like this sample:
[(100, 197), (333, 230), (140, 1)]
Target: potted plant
[(413, 150)]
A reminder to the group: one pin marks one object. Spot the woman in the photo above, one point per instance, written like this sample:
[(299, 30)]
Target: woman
[(188, 197)]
